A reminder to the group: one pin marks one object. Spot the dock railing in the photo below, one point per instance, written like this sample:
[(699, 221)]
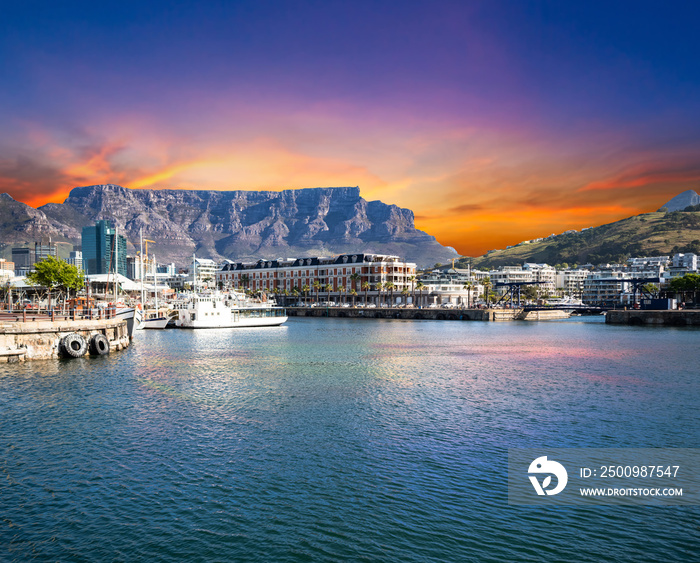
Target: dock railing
[(57, 314)]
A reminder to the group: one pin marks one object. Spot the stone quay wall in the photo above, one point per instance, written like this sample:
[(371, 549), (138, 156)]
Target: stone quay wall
[(685, 317), (39, 340)]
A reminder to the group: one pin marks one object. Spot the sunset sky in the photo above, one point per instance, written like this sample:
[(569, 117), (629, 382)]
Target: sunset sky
[(494, 121)]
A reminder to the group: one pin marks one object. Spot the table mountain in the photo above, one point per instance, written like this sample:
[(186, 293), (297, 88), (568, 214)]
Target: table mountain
[(237, 225)]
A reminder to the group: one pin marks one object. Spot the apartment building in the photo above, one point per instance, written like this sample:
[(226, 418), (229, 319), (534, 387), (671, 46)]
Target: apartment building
[(605, 287), (343, 273), (571, 282)]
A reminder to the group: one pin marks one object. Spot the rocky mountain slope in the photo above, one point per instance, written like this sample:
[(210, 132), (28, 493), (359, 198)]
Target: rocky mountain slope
[(237, 225)]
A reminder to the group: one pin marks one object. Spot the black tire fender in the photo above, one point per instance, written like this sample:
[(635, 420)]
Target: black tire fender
[(99, 345), (74, 345)]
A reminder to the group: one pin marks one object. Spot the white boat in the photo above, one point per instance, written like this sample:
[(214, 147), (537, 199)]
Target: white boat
[(155, 321), (226, 311), (132, 316), (567, 301)]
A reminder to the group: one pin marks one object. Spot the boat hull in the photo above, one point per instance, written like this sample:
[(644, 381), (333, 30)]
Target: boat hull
[(242, 323), (159, 323), (132, 317)]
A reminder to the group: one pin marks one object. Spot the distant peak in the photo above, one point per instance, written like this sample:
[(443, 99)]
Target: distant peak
[(681, 201)]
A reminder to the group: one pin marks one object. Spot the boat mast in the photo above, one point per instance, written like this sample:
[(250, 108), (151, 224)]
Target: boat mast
[(116, 262), (143, 301), (194, 272), (155, 283)]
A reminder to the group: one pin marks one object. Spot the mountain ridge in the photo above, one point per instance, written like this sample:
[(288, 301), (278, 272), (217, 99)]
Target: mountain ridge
[(237, 224)]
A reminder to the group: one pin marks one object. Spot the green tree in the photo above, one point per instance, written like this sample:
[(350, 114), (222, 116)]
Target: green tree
[(650, 288), (341, 289), (317, 287), (353, 292), (685, 285), (56, 274), (305, 289), (328, 288), (530, 292)]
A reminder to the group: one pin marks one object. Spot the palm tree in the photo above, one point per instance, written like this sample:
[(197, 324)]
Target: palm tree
[(354, 297), (412, 279), (341, 289), (246, 280), (295, 293), (366, 286), (487, 290), (420, 286), (317, 286), (469, 286), (328, 288), (380, 288), (355, 278), (405, 292), (305, 289), (391, 287)]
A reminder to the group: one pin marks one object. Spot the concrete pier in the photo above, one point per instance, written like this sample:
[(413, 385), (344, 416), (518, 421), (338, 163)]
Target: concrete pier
[(40, 340), (493, 315), (685, 317)]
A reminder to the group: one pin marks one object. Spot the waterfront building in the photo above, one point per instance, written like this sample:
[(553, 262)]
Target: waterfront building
[(545, 274), (570, 282), (605, 287), (207, 271), (450, 286), (509, 274), (102, 246), (342, 273)]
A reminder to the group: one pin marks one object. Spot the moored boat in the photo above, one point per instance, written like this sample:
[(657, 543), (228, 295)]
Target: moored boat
[(226, 311), (132, 316)]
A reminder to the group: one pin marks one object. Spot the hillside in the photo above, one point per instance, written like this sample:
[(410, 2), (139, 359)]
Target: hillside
[(649, 234)]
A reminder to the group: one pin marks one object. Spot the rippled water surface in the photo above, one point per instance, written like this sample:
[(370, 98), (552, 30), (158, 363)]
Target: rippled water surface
[(339, 439)]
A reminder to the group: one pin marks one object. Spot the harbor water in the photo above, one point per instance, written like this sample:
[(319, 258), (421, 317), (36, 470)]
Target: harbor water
[(340, 440)]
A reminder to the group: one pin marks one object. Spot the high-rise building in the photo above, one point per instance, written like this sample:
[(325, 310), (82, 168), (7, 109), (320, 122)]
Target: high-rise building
[(42, 251), (101, 248), (75, 258), (23, 259)]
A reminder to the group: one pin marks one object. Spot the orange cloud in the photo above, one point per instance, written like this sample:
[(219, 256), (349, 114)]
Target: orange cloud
[(644, 175), (474, 190)]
